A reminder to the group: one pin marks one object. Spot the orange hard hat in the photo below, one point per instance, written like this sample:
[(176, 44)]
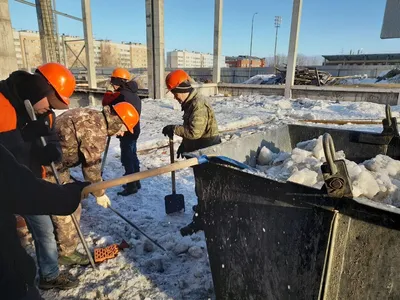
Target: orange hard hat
[(121, 73), (175, 78), (128, 114), (60, 78)]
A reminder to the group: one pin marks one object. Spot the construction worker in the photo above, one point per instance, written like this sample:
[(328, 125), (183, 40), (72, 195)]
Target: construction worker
[(125, 90), (49, 87), (199, 129), (83, 133), (19, 186)]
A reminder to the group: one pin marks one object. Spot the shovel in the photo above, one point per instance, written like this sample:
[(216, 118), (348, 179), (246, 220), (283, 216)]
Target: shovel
[(174, 202)]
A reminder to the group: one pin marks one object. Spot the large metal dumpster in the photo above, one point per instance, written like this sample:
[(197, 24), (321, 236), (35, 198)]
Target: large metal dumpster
[(274, 240)]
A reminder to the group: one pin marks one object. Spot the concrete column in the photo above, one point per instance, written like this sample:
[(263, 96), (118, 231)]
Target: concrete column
[(89, 48), (217, 41), (155, 48), (292, 55), (8, 59), (48, 38)]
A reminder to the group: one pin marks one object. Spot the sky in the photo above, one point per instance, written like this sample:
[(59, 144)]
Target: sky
[(327, 27)]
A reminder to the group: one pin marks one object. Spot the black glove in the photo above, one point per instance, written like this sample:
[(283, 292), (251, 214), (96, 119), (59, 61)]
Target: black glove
[(49, 154), (80, 184), (41, 127), (77, 187), (181, 149), (169, 131)]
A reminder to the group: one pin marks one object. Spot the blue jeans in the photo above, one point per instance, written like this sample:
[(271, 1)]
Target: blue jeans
[(129, 157), (42, 232)]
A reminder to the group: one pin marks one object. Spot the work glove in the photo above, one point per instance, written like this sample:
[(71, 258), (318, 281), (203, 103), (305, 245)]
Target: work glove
[(103, 201), (48, 154), (180, 151), (169, 131), (41, 127)]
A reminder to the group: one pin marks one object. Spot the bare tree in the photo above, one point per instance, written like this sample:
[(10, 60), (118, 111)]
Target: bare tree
[(302, 60), (315, 60), (109, 55)]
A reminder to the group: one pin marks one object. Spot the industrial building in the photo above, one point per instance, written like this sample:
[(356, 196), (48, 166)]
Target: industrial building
[(191, 59), (106, 53), (243, 61), (362, 59)]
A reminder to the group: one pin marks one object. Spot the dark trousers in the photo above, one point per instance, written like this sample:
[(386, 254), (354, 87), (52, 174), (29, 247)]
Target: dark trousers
[(32, 293), (129, 158)]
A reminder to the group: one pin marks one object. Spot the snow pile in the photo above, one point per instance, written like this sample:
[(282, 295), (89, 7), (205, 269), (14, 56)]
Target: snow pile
[(394, 79), (259, 79), (357, 79), (376, 179)]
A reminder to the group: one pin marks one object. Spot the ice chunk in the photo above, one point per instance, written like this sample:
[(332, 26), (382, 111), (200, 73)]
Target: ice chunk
[(365, 185), (265, 156), (299, 155), (195, 252), (304, 177)]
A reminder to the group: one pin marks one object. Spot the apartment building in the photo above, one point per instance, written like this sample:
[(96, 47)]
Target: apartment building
[(190, 59), (106, 52), (243, 61)]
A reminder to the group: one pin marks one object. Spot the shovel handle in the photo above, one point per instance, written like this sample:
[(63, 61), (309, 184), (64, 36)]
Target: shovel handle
[(139, 176), (172, 157)]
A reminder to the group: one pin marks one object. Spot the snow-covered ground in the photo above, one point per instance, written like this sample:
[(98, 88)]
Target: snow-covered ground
[(346, 80), (143, 271)]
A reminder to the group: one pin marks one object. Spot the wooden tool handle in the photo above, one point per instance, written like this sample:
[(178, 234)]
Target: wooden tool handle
[(138, 176), (344, 122)]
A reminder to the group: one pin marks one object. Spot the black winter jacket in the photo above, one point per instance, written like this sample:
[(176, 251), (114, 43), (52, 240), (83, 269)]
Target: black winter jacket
[(128, 93), (23, 193), (20, 86)]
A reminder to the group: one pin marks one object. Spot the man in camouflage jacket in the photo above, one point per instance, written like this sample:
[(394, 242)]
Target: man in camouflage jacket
[(82, 134), (199, 129)]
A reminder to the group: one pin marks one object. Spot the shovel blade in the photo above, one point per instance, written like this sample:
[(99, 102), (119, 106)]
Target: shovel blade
[(174, 203)]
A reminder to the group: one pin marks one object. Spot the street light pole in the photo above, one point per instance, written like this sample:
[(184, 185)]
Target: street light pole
[(251, 43), (278, 22)]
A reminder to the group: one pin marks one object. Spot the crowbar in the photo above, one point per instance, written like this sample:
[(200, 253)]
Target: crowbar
[(32, 115)]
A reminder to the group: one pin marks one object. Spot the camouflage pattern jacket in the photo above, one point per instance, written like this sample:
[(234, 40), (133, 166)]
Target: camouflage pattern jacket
[(83, 134), (200, 128)]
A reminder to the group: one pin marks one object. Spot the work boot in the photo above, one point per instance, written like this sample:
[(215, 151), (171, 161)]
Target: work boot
[(130, 189), (138, 185), (75, 258), (193, 227), (190, 229), (64, 281)]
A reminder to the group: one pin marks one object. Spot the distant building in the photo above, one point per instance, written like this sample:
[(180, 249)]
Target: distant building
[(27, 48), (106, 52), (191, 59), (362, 59), (243, 61), (138, 55)]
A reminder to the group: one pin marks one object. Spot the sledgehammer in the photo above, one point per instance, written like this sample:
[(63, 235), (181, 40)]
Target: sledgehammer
[(31, 112)]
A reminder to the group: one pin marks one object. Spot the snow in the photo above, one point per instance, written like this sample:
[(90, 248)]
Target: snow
[(375, 179), (183, 272), (265, 156), (259, 79), (347, 80)]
